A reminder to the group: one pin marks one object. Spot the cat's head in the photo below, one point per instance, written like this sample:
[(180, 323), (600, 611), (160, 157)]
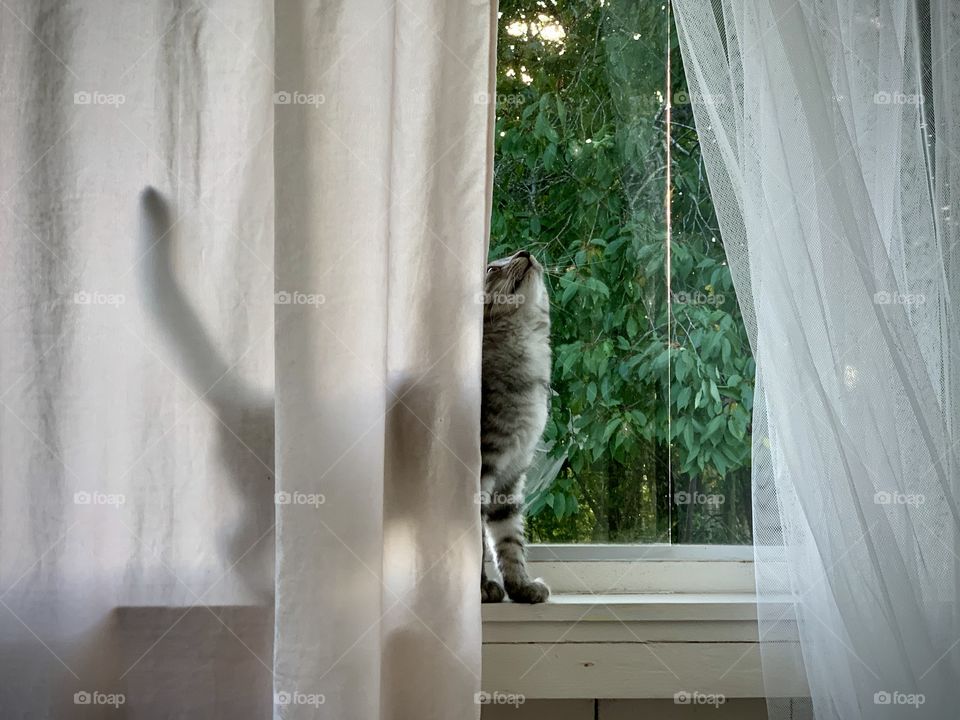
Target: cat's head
[(514, 284)]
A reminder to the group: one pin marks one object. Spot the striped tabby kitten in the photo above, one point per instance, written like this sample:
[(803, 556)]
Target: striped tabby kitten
[(516, 395)]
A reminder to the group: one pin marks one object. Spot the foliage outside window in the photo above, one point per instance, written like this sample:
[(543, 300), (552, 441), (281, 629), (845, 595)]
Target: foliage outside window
[(648, 438)]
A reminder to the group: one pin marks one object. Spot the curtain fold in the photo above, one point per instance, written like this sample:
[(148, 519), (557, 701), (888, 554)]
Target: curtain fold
[(378, 386), (239, 237), (826, 130)]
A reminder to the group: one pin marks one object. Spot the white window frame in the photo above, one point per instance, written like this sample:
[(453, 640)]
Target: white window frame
[(640, 621), (657, 568)]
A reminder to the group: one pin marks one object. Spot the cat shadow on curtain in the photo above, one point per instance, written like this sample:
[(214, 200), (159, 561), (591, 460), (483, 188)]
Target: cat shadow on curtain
[(246, 415)]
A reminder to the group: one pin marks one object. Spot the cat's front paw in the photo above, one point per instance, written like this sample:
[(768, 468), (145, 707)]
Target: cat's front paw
[(490, 591), (532, 591)]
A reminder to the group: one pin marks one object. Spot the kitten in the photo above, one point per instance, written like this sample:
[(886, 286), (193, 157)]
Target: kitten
[(514, 405)]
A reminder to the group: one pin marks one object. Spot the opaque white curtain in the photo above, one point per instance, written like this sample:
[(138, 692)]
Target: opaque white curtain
[(830, 138), (238, 236), (382, 207)]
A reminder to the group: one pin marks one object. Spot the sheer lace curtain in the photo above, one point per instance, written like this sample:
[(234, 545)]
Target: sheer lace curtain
[(293, 290), (829, 134)]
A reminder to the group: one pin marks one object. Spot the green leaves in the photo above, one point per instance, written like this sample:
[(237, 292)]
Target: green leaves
[(560, 498), (580, 181), (550, 157), (543, 129)]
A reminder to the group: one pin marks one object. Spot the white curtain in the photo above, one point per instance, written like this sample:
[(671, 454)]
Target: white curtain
[(829, 133), (379, 387), (238, 235)]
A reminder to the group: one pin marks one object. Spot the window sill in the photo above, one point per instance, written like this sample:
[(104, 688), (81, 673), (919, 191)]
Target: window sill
[(643, 569), (644, 645), (646, 607)]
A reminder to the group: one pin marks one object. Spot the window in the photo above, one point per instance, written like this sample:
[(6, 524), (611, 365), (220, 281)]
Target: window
[(648, 439)]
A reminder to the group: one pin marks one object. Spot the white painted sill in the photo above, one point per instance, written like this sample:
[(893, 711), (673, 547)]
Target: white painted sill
[(639, 622)]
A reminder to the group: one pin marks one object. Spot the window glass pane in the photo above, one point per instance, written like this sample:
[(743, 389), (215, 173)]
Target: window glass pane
[(649, 432)]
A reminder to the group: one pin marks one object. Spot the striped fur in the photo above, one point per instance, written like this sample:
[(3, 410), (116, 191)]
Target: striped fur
[(516, 395)]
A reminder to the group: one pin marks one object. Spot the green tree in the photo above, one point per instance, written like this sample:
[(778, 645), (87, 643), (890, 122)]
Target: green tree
[(649, 401)]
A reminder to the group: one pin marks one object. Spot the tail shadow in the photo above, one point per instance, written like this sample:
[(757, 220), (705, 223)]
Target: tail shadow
[(246, 415)]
